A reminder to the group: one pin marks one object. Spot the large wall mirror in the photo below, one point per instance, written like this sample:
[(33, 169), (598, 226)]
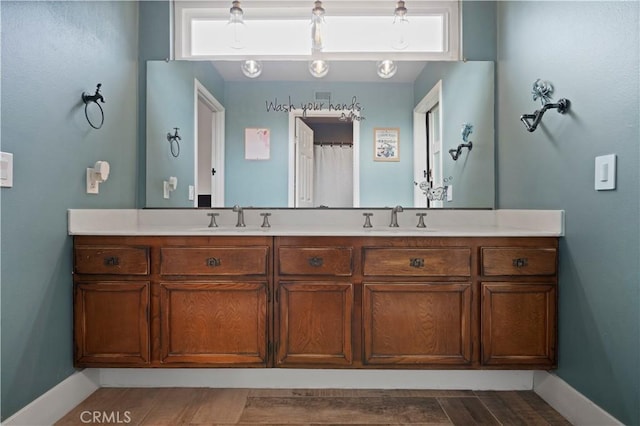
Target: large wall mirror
[(350, 139)]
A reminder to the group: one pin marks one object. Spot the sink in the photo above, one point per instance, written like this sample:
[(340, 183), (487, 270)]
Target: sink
[(229, 229)]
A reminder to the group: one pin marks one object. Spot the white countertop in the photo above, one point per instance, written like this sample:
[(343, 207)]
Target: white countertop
[(317, 222)]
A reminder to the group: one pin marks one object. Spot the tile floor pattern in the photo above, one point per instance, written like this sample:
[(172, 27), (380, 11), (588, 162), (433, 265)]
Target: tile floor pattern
[(206, 406)]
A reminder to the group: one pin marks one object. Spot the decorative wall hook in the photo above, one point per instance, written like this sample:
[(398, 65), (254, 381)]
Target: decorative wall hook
[(87, 99), (175, 138), (466, 131), (542, 90)]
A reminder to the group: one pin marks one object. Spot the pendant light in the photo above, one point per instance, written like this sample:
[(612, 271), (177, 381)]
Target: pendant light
[(317, 26), (400, 27), (251, 68), (318, 68), (386, 68), (236, 25)]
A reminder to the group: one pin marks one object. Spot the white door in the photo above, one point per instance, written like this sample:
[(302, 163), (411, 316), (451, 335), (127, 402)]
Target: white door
[(304, 165), (435, 152)]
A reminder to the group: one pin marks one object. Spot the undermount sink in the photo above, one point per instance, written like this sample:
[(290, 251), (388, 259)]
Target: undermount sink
[(214, 229)]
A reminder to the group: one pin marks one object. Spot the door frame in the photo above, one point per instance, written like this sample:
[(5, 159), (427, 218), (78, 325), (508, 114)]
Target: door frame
[(293, 114), (420, 164), (217, 144)]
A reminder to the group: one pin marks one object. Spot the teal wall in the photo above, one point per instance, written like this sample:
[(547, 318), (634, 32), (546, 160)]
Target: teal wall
[(479, 30), (170, 103), (590, 52), (467, 97), (51, 53), (264, 183)]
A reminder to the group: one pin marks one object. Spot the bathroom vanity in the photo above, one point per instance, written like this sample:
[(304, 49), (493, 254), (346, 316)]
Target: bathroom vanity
[(149, 293)]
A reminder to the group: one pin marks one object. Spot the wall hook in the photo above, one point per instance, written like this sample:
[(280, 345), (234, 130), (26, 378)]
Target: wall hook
[(466, 131), (562, 106), (174, 138), (87, 99)]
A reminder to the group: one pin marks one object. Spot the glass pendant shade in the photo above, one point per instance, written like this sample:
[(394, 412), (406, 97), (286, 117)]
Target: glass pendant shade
[(317, 26), (400, 27), (318, 68), (251, 68), (236, 26), (386, 69)]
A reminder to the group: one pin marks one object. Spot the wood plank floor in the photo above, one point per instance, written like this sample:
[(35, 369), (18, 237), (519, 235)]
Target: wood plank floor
[(206, 406)]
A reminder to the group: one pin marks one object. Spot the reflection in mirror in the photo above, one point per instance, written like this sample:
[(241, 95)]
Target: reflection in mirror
[(428, 110)]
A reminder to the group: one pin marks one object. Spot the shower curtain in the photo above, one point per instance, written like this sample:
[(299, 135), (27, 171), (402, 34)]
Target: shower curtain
[(333, 176)]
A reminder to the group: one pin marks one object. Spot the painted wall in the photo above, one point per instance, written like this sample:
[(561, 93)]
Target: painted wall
[(467, 97), (45, 69), (170, 103), (589, 52), (264, 183)]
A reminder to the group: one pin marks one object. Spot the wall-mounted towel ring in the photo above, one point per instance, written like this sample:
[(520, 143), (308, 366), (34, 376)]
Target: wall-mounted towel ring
[(542, 90), (466, 131), (174, 142), (88, 99)]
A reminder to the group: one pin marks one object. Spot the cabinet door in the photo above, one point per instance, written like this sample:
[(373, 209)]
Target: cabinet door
[(111, 323), (417, 323), (213, 322), (315, 320), (519, 324)]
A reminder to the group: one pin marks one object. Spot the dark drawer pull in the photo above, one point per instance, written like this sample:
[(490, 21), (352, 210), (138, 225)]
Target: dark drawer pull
[(520, 262), (316, 261), (111, 261), (212, 261), (416, 262)]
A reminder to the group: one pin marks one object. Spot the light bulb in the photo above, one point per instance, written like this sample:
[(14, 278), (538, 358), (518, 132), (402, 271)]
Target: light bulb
[(251, 68), (317, 27), (400, 27), (386, 68), (236, 25), (318, 68)]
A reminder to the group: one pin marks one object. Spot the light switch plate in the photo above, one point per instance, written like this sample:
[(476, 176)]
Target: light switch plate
[(605, 172), (6, 170)]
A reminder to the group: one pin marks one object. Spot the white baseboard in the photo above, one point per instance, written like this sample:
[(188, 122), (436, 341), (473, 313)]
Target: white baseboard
[(575, 407), (58, 401), (308, 378)]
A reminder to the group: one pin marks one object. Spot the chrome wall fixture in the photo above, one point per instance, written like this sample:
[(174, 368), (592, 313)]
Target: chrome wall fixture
[(174, 142), (89, 99), (466, 131), (542, 90)]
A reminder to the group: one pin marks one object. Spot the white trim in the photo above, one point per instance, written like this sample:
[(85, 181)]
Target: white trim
[(58, 401), (292, 150), (217, 147), (570, 403), (317, 378)]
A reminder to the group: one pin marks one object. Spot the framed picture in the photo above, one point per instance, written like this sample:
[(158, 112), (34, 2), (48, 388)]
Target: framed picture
[(386, 144), (256, 144)]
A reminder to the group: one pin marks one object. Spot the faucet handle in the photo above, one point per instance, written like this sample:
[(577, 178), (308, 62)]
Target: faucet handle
[(421, 223), (367, 220), (213, 223), (265, 220)]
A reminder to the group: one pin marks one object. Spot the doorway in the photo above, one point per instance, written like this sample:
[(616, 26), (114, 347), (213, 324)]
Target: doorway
[(209, 152), (323, 160)]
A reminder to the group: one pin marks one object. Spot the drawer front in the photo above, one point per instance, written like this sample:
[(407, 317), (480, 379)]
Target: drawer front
[(214, 260), (417, 262), (111, 260), (336, 261), (519, 261)]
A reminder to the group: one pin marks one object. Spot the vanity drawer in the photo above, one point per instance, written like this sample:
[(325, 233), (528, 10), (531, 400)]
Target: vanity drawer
[(519, 261), (213, 260), (116, 260), (417, 262), (336, 261)]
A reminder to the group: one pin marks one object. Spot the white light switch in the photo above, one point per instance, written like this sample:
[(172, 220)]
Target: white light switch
[(192, 192), (6, 170), (605, 172)]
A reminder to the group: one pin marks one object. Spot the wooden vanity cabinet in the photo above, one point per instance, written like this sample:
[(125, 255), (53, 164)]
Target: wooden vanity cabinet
[(519, 304), (111, 304), (314, 301)]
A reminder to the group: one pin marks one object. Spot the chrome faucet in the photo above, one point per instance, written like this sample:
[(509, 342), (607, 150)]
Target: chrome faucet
[(394, 216), (240, 212)]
